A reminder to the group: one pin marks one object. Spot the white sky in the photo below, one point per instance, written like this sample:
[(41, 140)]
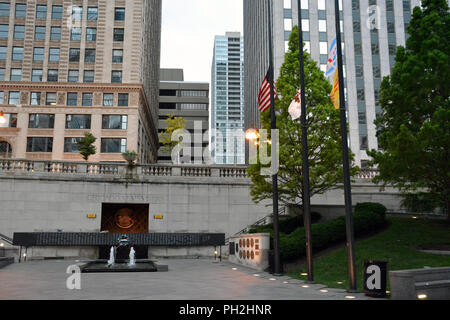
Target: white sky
[(188, 30)]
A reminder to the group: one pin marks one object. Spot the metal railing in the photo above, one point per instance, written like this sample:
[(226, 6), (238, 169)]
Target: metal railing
[(6, 239)]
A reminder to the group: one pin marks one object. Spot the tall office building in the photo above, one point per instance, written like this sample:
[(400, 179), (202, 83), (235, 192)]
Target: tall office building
[(227, 100), (371, 31), (74, 67), (190, 101)]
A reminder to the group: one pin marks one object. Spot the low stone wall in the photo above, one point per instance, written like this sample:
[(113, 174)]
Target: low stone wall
[(250, 250), (430, 284)]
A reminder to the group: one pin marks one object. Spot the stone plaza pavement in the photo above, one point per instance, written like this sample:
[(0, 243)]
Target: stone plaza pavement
[(187, 279)]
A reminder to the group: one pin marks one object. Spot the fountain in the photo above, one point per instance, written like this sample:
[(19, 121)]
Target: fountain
[(118, 263), (112, 258), (132, 262)]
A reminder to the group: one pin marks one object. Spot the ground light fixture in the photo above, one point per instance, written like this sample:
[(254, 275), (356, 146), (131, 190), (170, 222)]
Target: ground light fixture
[(422, 296)]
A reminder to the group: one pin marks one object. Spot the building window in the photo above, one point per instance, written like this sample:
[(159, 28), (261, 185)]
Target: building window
[(41, 12), (72, 99), (21, 10), (77, 13), (75, 34), (19, 32), (38, 54), (116, 77), (57, 12), (55, 33), (89, 55), (123, 100), (36, 75), (108, 99), (39, 33), (16, 75), (54, 55), (117, 56), (2, 74), (11, 121), (17, 54), (167, 93), (114, 122), (4, 31), (73, 76), (74, 55), (41, 121), (92, 13), (87, 100), (194, 93), (118, 34), (50, 99), (14, 98), (39, 144), (35, 99), (52, 75), (91, 34), (4, 9), (71, 145), (119, 14), (88, 76), (111, 145), (3, 51), (78, 121)]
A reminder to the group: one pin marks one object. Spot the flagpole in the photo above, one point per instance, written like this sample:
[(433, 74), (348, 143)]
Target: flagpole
[(305, 162), (345, 156), (276, 235)]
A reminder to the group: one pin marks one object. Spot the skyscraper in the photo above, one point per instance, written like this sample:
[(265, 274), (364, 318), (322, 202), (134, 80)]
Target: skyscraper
[(74, 67), (227, 100), (371, 31)]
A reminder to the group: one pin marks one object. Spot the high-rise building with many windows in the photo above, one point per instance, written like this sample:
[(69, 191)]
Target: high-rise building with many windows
[(371, 32), (227, 100), (74, 67)]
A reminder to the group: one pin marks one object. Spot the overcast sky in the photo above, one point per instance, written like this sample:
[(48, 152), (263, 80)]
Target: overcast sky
[(188, 30)]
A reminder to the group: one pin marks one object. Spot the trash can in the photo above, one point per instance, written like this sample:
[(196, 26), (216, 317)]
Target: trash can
[(375, 278)]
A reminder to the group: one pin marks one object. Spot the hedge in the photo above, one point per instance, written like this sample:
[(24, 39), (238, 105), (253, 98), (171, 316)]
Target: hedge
[(287, 225), (367, 218)]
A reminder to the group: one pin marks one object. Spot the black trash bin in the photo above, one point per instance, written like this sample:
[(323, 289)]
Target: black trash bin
[(375, 278)]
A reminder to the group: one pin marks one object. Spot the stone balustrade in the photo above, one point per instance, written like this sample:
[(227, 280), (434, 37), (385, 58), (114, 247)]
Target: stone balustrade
[(29, 167)]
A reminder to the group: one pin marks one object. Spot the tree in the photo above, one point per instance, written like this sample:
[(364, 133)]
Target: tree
[(324, 141), (413, 131), (165, 137), (86, 146)]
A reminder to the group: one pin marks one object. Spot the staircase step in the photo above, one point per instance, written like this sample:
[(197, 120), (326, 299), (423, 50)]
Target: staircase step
[(5, 261), (2, 252)]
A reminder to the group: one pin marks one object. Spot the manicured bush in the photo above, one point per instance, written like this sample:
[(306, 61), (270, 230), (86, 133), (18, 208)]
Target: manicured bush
[(367, 219), (371, 207), (287, 225)]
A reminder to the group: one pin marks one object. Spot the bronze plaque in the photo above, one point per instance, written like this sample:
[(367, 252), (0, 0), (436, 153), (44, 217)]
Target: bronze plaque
[(125, 218)]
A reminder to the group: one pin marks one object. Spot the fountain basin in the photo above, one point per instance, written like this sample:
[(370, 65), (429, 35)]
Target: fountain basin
[(101, 266)]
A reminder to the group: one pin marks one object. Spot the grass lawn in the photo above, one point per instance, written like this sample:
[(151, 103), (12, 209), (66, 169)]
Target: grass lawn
[(398, 245)]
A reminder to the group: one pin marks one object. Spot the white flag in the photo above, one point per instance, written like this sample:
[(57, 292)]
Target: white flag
[(295, 109)]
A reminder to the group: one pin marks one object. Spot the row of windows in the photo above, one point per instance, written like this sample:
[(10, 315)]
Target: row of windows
[(52, 75), (45, 145), (80, 121), (72, 99), (54, 54), (183, 93), (57, 12)]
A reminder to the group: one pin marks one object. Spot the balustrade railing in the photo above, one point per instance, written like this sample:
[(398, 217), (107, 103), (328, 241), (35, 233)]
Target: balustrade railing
[(20, 166)]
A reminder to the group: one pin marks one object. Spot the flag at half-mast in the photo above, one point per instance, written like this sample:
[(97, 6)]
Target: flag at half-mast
[(295, 109), (264, 93)]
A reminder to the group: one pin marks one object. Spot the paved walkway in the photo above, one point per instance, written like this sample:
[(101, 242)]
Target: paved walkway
[(186, 280)]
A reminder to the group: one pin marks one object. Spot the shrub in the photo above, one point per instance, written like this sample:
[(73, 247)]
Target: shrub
[(371, 207), (286, 225), (367, 219)]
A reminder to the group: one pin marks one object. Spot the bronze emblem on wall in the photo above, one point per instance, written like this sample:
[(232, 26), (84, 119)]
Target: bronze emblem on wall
[(124, 218)]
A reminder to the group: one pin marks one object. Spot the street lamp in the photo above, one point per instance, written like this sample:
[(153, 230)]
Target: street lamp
[(251, 134)]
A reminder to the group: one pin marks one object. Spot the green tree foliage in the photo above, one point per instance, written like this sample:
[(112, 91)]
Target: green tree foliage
[(413, 132), (173, 124), (324, 141), (86, 146)]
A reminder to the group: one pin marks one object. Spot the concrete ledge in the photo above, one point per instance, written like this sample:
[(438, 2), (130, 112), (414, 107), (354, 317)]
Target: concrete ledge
[(432, 282), (6, 261)]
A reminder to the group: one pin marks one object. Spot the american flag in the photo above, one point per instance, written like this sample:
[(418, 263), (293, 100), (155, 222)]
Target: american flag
[(264, 94)]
